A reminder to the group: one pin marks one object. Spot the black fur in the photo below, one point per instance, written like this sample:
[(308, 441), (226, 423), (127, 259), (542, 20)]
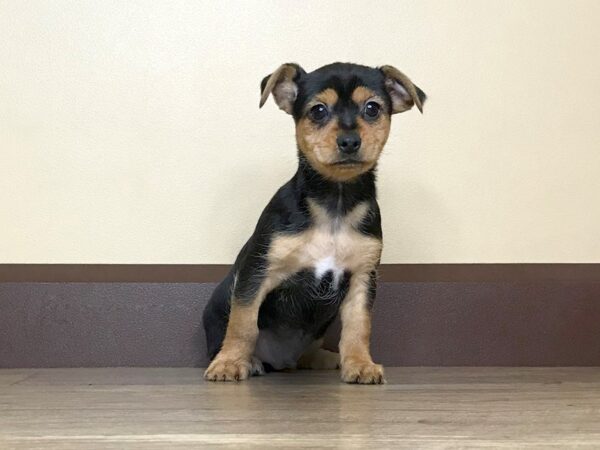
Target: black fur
[(312, 305), (302, 302)]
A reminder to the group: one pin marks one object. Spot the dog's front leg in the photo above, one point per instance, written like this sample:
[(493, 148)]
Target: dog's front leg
[(234, 360), (356, 362)]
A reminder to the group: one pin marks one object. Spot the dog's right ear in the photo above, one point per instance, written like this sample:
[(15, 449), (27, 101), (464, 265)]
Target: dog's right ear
[(282, 84)]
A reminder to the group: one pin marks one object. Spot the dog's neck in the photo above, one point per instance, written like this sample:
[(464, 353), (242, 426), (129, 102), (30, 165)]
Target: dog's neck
[(336, 197)]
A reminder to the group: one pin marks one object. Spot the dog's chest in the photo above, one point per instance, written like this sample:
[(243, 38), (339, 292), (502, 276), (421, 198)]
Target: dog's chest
[(330, 246)]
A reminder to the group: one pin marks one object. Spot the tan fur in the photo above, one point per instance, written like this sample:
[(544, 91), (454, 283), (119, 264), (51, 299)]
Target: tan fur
[(402, 91), (234, 361), (283, 88), (351, 249), (317, 358), (328, 97), (288, 254), (361, 94), (373, 135), (319, 144), (356, 362), (328, 239)]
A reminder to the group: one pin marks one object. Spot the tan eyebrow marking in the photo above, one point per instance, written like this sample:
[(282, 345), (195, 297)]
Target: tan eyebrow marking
[(361, 94), (328, 96)]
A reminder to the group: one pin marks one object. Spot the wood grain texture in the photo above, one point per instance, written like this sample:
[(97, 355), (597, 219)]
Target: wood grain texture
[(418, 408)]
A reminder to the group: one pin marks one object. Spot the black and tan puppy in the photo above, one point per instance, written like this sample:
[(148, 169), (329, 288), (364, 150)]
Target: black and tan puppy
[(316, 247)]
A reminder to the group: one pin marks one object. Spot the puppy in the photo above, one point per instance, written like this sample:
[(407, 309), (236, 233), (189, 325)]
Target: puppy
[(316, 247)]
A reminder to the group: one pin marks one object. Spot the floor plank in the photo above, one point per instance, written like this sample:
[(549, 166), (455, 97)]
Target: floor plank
[(418, 408)]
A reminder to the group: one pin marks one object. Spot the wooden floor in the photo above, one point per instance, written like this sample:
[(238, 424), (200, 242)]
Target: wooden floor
[(418, 408)]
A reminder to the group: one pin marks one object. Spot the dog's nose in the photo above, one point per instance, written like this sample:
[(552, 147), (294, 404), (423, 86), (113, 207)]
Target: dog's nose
[(348, 143)]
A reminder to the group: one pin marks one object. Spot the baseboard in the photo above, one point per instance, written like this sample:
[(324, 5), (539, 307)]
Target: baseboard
[(206, 273), (448, 315)]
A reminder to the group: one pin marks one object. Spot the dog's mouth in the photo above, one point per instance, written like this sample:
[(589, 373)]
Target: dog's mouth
[(348, 163)]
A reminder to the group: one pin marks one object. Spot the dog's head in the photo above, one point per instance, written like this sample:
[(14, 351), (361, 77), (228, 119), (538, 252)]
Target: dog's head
[(342, 112)]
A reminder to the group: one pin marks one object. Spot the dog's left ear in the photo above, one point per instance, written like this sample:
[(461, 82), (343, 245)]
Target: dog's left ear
[(402, 91), (282, 84)]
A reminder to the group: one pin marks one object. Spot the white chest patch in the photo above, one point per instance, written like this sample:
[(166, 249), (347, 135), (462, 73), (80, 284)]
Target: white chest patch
[(330, 245), (328, 264)]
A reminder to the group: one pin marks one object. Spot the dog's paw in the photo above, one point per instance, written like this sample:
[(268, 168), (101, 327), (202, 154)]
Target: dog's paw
[(321, 359), (257, 367), (224, 369), (362, 372)]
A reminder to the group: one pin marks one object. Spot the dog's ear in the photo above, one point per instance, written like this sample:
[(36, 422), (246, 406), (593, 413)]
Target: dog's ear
[(282, 84), (402, 91)]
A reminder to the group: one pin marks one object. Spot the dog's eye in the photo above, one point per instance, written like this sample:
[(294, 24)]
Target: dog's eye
[(318, 112), (372, 110)]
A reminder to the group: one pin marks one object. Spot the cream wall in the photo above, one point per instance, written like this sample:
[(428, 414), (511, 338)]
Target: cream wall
[(130, 131)]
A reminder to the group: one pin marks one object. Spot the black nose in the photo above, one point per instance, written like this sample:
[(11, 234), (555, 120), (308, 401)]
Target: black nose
[(348, 143)]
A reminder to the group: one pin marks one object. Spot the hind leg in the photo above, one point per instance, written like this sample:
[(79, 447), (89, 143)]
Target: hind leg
[(318, 358), (257, 367), (215, 317)]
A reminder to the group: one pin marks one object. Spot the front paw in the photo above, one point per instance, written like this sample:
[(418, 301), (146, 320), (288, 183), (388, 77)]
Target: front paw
[(226, 369), (362, 372)]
